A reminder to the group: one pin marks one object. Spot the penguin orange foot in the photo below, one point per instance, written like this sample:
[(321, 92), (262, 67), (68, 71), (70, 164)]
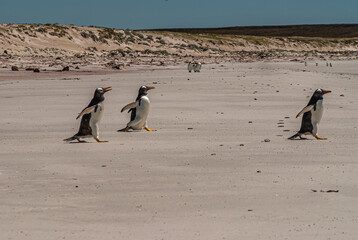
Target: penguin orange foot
[(126, 129), (150, 130), (99, 140), (320, 138)]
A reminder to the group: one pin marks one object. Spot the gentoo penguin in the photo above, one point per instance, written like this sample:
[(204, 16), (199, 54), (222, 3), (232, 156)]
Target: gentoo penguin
[(139, 111), (92, 115), (312, 115), (197, 67), (190, 66)]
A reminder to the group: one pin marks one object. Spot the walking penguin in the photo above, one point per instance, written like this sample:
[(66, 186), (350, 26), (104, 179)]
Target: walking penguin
[(91, 116), (312, 115), (139, 111)]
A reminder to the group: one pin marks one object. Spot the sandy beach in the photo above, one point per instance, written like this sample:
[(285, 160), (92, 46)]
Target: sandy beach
[(206, 174)]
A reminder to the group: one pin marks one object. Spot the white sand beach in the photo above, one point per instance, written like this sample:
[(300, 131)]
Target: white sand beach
[(206, 174)]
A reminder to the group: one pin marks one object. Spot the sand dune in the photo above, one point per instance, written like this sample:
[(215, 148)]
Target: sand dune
[(98, 45)]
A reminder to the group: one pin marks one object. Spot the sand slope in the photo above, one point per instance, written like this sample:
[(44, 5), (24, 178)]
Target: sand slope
[(181, 183), (70, 40)]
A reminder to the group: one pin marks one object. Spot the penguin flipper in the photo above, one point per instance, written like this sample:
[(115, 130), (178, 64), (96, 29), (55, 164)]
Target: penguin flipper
[(86, 111), (305, 109), (128, 106)]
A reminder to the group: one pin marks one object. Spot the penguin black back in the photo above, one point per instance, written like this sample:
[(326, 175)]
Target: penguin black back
[(85, 128), (133, 113), (306, 124)]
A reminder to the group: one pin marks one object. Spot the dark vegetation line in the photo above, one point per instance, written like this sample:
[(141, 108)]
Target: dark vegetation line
[(320, 30)]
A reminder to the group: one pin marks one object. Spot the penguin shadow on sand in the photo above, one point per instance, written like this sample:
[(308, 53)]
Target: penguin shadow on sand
[(312, 115), (139, 111), (82, 142), (301, 139)]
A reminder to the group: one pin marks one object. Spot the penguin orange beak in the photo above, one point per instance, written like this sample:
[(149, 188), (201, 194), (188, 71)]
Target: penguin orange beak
[(107, 89), (327, 91), (149, 88)]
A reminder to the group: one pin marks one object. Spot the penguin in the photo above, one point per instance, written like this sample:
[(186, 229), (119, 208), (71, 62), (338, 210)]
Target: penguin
[(91, 116), (197, 67), (312, 115), (190, 66), (139, 111)]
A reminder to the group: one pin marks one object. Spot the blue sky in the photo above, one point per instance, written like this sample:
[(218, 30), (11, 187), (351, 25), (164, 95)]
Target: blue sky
[(144, 14)]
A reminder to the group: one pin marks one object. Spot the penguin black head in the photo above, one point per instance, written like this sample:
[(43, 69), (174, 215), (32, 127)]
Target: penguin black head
[(320, 92), (317, 95), (143, 90), (99, 92)]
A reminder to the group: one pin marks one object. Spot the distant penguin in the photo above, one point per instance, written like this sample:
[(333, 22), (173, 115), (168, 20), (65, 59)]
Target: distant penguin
[(92, 115), (139, 111), (197, 67), (312, 115), (190, 66)]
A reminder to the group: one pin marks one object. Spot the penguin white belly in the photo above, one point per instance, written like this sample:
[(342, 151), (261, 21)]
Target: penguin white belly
[(142, 111), (96, 117), (317, 116)]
